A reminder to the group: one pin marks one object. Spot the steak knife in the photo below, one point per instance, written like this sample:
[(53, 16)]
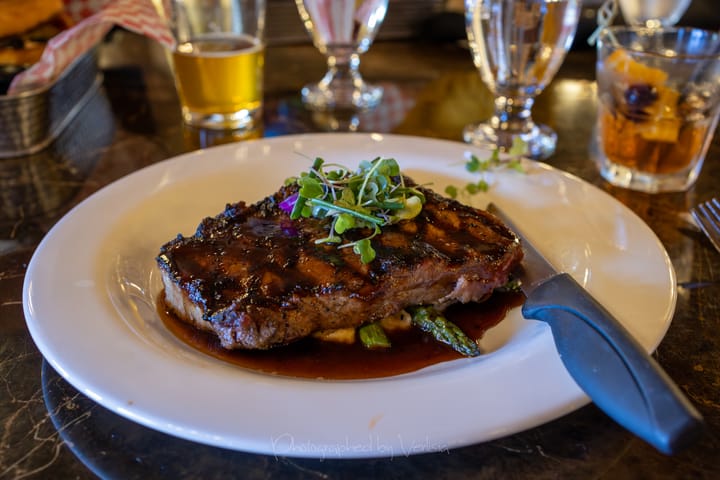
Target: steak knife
[(611, 367)]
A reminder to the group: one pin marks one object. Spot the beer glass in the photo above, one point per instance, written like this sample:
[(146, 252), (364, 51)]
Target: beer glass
[(218, 61)]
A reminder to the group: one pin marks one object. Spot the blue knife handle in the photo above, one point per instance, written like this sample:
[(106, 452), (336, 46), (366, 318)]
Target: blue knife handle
[(611, 367)]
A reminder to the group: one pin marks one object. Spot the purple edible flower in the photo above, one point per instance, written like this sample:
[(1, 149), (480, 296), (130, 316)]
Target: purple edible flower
[(288, 204)]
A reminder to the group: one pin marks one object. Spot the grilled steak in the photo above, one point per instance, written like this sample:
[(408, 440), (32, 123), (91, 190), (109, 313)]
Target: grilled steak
[(257, 279)]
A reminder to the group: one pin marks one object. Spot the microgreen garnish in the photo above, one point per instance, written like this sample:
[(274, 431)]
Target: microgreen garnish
[(474, 164), (373, 196)]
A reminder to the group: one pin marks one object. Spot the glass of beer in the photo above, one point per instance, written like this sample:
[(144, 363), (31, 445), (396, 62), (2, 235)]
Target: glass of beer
[(218, 61)]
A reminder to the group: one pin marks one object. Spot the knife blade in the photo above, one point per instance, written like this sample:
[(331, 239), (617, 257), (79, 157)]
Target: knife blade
[(610, 366)]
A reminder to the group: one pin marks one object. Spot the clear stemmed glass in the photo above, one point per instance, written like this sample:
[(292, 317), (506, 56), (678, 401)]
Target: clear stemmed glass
[(518, 46), (342, 30), (653, 13)]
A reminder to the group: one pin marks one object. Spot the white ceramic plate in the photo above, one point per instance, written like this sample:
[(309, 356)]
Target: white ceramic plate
[(92, 285)]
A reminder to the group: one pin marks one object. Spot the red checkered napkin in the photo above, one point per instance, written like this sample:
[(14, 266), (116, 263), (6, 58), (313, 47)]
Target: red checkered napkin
[(138, 16), (79, 9)]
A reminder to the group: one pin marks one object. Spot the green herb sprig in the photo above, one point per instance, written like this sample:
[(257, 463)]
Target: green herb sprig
[(371, 197), (484, 167)]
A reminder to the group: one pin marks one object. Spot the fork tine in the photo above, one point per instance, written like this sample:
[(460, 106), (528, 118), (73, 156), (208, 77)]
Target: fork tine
[(707, 216)]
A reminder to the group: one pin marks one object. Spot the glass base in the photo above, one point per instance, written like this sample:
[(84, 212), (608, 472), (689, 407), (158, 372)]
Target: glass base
[(343, 97), (336, 120), (625, 177), (540, 141), (243, 120), (632, 179), (197, 137)]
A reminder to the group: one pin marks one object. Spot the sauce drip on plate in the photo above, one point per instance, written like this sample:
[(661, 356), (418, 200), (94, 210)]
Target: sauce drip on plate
[(310, 358)]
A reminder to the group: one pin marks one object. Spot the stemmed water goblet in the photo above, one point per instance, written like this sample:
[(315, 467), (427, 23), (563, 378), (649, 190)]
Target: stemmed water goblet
[(653, 13), (342, 30), (518, 46)]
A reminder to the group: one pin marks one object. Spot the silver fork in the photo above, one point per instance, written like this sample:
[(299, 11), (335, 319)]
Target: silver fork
[(707, 216)]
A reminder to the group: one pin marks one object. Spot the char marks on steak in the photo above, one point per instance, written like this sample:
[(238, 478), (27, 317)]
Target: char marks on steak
[(257, 279)]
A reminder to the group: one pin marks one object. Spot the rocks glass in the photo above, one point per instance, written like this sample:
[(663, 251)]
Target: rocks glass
[(659, 100)]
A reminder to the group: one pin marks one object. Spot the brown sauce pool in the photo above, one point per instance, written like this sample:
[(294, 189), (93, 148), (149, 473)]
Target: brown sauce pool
[(310, 358)]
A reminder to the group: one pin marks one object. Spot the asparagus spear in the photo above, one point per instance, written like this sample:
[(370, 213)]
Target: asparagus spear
[(512, 285), (372, 335), (432, 322)]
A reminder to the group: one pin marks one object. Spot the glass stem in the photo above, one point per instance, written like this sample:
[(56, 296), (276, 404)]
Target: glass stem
[(342, 87), (342, 73), (512, 115)]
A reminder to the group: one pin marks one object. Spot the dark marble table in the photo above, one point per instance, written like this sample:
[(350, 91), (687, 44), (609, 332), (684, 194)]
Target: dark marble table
[(50, 430)]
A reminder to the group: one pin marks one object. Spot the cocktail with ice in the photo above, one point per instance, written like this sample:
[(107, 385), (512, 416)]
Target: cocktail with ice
[(659, 99)]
